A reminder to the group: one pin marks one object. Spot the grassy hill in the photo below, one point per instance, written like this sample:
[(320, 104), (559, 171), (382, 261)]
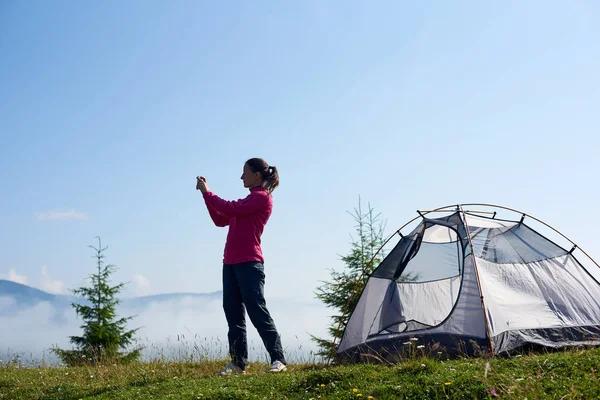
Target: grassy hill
[(571, 374)]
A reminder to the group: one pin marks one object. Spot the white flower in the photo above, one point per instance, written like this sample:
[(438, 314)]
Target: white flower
[(420, 346), (414, 339)]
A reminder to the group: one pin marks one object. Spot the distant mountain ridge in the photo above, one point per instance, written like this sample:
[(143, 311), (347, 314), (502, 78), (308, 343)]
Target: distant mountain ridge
[(23, 293), (24, 296)]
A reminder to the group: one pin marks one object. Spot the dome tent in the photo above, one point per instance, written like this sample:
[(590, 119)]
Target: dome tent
[(467, 281)]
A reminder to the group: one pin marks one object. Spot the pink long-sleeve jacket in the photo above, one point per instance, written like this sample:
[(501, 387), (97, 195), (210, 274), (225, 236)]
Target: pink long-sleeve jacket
[(246, 219)]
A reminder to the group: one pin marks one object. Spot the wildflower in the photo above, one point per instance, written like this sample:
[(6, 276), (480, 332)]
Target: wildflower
[(371, 398), (407, 343), (422, 365), (413, 339), (322, 385), (359, 395), (355, 390), (420, 346), (447, 383)]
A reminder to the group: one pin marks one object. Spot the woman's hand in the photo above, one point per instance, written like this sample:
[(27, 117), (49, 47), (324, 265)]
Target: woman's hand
[(201, 184)]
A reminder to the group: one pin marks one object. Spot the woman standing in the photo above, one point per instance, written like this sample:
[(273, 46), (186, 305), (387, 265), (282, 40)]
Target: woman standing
[(243, 263)]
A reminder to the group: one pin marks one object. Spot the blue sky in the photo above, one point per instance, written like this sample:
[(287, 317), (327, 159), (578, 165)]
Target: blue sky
[(108, 111)]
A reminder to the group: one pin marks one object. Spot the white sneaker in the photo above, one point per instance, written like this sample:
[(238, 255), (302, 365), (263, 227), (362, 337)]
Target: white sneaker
[(232, 369), (278, 366)]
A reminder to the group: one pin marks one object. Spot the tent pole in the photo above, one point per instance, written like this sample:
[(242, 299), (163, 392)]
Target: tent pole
[(487, 323), (451, 211)]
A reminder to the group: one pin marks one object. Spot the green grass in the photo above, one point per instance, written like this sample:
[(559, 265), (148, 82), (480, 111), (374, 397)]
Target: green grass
[(570, 374)]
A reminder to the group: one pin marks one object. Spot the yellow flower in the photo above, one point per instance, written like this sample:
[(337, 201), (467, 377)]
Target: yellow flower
[(447, 383), (371, 398), (359, 395), (322, 385), (355, 390)]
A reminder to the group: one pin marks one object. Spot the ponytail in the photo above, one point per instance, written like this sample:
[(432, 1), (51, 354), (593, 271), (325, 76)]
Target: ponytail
[(269, 173), (271, 178)]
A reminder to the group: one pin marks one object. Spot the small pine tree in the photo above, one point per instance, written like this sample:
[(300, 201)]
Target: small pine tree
[(103, 336), (361, 258)]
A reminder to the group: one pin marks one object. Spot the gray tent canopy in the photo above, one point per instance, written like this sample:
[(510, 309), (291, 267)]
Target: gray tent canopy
[(467, 281)]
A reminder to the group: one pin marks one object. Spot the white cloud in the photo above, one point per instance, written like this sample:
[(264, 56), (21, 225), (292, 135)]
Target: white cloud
[(60, 215), (142, 285), (194, 326), (12, 276), (49, 285)]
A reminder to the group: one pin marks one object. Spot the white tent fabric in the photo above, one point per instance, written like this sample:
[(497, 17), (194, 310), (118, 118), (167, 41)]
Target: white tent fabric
[(467, 318), (543, 294), (366, 314), (495, 283), (441, 294), (440, 234), (483, 222)]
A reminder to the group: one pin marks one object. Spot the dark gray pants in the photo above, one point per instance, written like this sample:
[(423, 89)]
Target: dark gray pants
[(243, 285)]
